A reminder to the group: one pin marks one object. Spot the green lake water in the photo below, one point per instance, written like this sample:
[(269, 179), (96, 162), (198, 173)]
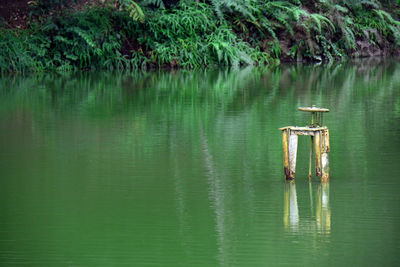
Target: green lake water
[(184, 168)]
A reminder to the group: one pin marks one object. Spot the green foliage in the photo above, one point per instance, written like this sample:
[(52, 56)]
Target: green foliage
[(39, 7), (189, 36), (82, 40), (21, 51), (86, 39), (387, 25), (134, 9), (378, 27), (193, 34), (244, 8)]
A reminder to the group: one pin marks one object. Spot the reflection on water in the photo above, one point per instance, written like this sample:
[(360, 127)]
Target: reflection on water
[(322, 209), (184, 168), (218, 201), (321, 222), (291, 211)]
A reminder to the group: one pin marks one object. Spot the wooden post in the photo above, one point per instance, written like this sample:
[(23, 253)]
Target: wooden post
[(312, 118), (324, 155), (327, 146), (285, 144), (293, 137), (310, 164), (318, 153)]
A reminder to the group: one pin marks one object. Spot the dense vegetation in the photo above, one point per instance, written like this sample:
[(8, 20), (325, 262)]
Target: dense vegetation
[(124, 34)]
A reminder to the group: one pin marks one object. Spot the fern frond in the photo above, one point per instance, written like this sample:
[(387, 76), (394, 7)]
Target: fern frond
[(340, 8), (217, 5), (241, 7), (279, 5), (297, 13), (85, 36), (385, 16), (134, 9), (319, 20)]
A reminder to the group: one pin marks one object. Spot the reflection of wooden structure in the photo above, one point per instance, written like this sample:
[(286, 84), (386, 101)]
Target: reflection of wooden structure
[(290, 209), (322, 209), (291, 218), (321, 133)]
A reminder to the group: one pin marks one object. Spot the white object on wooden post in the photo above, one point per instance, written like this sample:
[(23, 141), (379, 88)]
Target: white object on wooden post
[(325, 167), (324, 155), (293, 137)]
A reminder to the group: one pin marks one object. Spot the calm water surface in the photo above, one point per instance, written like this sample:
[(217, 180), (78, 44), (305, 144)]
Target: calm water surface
[(185, 168)]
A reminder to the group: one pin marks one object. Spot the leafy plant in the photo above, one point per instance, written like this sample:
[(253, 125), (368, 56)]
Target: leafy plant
[(192, 33)]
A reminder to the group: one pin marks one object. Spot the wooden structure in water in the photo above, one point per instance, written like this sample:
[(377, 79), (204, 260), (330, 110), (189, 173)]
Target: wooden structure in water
[(319, 141)]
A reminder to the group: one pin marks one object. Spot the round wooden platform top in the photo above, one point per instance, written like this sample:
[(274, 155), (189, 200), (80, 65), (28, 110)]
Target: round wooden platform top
[(314, 109)]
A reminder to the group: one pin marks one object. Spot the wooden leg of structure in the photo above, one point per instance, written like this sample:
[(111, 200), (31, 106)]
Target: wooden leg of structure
[(318, 166), (293, 137), (285, 144), (310, 164)]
